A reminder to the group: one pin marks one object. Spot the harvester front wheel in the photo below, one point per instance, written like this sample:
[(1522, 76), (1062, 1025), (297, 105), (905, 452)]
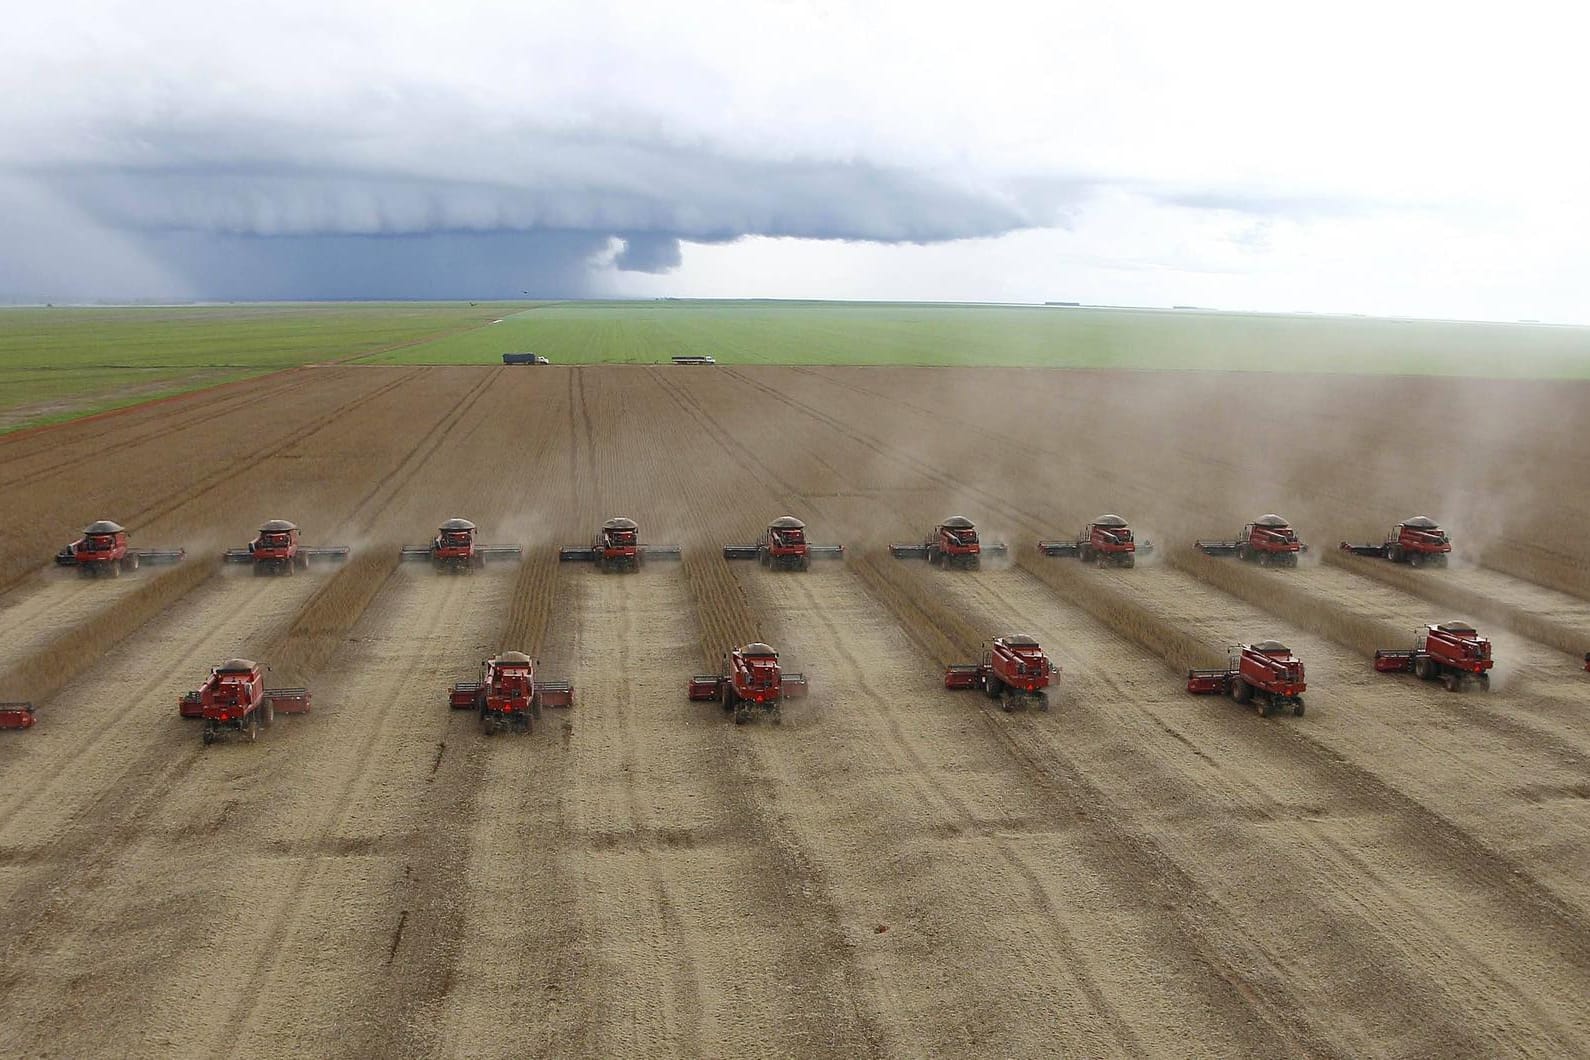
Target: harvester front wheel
[(1241, 691), (1416, 559), (992, 686), (268, 708), (1423, 669), (1451, 682)]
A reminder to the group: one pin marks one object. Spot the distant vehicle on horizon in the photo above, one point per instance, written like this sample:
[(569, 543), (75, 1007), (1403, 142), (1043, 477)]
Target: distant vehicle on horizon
[(524, 358)]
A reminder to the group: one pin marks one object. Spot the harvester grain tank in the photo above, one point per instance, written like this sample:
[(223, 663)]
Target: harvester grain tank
[(1266, 674), (509, 694), (1107, 541), (277, 550), (955, 544), (1013, 670), (617, 547), (1268, 541), (1452, 652), (103, 551), (455, 551), (234, 699), (17, 715), (783, 546), (1416, 542), (752, 681)]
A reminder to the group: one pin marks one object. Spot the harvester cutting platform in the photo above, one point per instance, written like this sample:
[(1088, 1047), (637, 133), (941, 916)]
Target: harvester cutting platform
[(1106, 541), (1013, 670), (1453, 653), (454, 550), (103, 551), (784, 547), (1266, 674), (1415, 541), (954, 543), (617, 547), (752, 680), (277, 550), (16, 715), (234, 699), (509, 695), (1268, 541)]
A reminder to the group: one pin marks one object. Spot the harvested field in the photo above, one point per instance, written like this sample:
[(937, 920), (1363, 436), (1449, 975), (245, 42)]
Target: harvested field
[(896, 870)]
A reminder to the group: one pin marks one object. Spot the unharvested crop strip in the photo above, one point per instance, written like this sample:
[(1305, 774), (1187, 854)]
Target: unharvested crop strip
[(48, 669), (302, 651), (1467, 601)]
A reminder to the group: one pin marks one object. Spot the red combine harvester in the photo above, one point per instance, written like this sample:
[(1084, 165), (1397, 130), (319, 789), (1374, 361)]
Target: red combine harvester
[(103, 551), (234, 699), (1415, 541), (751, 680), (1266, 674), (1268, 541), (1013, 670), (508, 694), (454, 550), (15, 715), (277, 550), (1107, 541), (784, 547), (1453, 653), (617, 547), (953, 544)]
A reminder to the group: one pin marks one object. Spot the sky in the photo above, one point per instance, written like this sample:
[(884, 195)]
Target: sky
[(1412, 159)]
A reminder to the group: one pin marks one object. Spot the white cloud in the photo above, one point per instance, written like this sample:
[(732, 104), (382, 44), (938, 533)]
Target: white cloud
[(1259, 152)]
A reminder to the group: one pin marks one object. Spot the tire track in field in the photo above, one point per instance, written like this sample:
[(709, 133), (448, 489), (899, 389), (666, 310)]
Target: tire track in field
[(1300, 755), (137, 434), (97, 833), (933, 791)]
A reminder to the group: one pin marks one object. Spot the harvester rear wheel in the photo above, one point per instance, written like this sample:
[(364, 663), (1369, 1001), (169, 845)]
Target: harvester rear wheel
[(1485, 682), (209, 734), (776, 716), (741, 715), (1297, 709), (1264, 559), (1451, 682), (1042, 702), (1416, 559)]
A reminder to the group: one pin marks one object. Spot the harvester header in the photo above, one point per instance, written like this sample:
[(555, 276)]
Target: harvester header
[(103, 551), (954, 543), (752, 680), (277, 550), (455, 551), (783, 546), (1107, 541), (17, 715), (617, 547), (1268, 541), (1416, 542)]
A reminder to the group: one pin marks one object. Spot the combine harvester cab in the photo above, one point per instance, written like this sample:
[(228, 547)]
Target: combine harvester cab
[(1453, 653), (234, 699), (1418, 542), (1107, 541), (1014, 670), (752, 681), (277, 550), (784, 547), (454, 551), (17, 715), (954, 543), (1266, 674), (617, 547), (103, 551), (509, 695), (1268, 541)]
